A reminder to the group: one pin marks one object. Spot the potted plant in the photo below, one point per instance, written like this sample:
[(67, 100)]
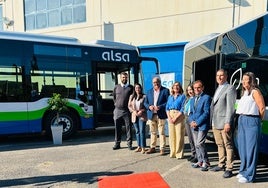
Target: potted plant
[(57, 104)]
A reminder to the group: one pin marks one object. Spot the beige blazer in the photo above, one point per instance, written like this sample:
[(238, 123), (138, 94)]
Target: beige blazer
[(133, 110)]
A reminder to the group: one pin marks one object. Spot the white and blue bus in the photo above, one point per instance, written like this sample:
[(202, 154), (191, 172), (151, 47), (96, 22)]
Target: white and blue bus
[(33, 67), (242, 49)]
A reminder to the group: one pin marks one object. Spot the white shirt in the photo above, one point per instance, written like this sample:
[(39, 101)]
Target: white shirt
[(137, 104), (124, 86), (247, 105), (156, 95)]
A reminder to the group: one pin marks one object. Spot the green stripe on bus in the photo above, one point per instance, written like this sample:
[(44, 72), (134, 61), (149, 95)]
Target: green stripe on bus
[(33, 115), (17, 116), (265, 127), (79, 110), (13, 116)]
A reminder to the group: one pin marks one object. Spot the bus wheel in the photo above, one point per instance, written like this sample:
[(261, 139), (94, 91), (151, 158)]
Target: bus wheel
[(67, 119)]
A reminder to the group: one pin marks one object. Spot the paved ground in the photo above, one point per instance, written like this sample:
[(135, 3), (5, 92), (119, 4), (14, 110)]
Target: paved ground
[(36, 162)]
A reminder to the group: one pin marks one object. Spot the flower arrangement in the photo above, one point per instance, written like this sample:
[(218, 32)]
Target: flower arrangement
[(58, 104)]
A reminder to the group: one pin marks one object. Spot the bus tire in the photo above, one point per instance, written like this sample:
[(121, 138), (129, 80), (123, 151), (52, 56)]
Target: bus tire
[(67, 119)]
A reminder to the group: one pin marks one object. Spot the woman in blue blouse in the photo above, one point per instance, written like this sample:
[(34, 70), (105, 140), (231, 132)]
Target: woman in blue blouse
[(174, 109)]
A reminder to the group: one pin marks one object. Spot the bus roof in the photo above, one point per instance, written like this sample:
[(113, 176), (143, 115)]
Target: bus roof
[(201, 40), (241, 37), (165, 45), (23, 36), (111, 44), (31, 37)]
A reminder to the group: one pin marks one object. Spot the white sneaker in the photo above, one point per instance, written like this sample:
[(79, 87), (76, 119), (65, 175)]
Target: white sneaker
[(243, 180), (239, 176), (205, 166)]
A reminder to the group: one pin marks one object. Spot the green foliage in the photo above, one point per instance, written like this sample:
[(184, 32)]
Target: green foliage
[(57, 103)]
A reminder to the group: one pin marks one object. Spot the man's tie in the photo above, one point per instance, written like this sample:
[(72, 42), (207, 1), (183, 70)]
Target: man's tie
[(196, 101)]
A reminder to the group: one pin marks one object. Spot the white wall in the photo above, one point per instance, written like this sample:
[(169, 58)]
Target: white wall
[(143, 22)]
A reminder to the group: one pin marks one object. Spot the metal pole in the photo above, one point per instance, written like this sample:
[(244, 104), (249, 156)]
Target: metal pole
[(233, 13)]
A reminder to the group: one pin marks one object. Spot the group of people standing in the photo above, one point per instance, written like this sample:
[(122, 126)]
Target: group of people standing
[(194, 112)]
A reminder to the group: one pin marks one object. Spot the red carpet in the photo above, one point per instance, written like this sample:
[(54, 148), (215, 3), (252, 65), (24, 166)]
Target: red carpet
[(144, 180)]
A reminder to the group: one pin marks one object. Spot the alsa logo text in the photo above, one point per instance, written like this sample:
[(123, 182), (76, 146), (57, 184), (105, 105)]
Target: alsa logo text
[(111, 56)]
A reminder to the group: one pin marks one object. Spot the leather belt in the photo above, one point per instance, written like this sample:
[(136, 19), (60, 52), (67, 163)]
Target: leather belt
[(250, 115)]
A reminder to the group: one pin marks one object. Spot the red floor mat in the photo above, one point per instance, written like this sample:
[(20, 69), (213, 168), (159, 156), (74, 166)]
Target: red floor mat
[(142, 180)]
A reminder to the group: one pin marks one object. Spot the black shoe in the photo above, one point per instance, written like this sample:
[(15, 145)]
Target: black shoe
[(228, 174), (130, 148), (116, 146), (194, 160), (217, 168)]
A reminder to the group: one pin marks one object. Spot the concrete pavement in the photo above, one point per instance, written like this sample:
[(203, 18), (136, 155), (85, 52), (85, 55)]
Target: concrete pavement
[(36, 162)]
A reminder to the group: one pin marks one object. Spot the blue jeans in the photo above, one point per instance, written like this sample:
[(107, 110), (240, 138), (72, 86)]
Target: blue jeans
[(139, 126), (249, 130)]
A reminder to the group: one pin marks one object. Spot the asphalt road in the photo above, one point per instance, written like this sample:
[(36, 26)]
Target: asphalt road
[(33, 161)]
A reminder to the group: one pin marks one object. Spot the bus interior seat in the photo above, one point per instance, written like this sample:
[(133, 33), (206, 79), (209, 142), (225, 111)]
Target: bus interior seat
[(107, 105), (105, 112), (48, 90), (71, 93)]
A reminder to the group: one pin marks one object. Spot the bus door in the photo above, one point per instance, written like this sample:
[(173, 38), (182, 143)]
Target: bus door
[(106, 76), (205, 70), (13, 101)]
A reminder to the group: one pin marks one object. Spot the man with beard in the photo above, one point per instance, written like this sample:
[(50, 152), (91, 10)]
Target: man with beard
[(121, 94), (222, 114)]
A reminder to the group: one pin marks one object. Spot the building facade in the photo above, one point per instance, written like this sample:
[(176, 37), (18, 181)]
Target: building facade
[(137, 22)]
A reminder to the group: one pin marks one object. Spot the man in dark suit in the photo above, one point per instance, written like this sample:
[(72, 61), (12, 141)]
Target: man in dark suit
[(155, 103), (200, 124), (222, 114)]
